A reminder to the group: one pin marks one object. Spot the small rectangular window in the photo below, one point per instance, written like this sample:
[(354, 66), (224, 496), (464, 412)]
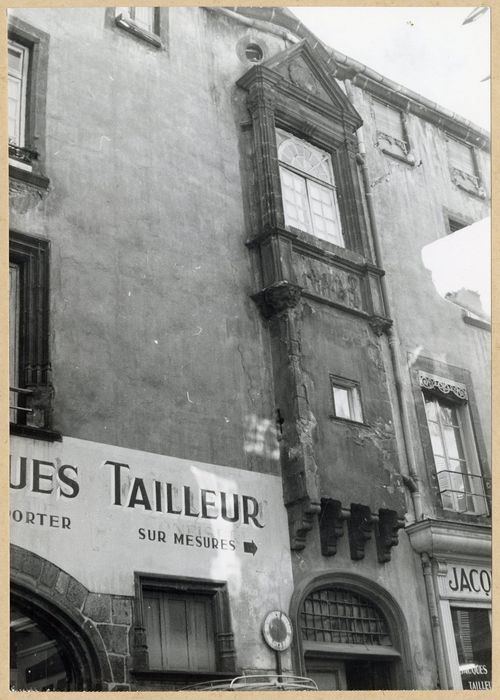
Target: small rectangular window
[(391, 132), (308, 188), (143, 22), (180, 631), (184, 621), (346, 399), (463, 167)]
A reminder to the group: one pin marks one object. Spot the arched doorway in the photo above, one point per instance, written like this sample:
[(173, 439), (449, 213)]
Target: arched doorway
[(48, 650), (351, 636)]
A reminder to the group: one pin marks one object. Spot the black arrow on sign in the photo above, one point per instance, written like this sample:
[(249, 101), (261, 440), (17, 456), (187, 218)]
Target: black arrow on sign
[(250, 547)]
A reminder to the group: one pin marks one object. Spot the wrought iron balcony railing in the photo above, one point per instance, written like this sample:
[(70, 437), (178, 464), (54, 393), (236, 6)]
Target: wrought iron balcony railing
[(464, 492)]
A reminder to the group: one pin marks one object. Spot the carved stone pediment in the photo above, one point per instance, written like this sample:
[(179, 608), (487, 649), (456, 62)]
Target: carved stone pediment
[(303, 69)]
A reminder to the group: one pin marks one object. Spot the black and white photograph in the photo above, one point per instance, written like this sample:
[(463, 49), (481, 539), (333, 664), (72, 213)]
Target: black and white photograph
[(249, 348)]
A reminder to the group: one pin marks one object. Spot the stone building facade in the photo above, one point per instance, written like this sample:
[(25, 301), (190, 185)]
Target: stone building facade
[(236, 389)]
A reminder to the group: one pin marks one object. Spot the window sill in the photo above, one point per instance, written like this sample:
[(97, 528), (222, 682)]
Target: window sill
[(18, 172), (35, 433), (477, 322), (130, 26), (408, 160), (349, 421), (181, 676)]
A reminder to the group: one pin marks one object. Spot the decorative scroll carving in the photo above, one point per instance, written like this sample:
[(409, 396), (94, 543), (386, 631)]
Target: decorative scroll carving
[(331, 525), (360, 526), (277, 298), (302, 77), (380, 324), (386, 533), (445, 387), (392, 141), (467, 182), (333, 283)]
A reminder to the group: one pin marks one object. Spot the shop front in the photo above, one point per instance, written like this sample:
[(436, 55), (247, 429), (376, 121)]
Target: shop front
[(458, 557)]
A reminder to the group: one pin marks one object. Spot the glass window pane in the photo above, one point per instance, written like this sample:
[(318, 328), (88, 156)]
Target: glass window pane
[(295, 205), (341, 400), (453, 443), (38, 661), (304, 157), (473, 641)]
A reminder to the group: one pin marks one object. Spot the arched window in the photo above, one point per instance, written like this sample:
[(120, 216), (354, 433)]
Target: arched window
[(349, 639), (336, 615), (38, 657)]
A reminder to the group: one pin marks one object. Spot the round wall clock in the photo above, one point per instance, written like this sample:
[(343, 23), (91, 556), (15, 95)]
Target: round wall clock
[(277, 630)]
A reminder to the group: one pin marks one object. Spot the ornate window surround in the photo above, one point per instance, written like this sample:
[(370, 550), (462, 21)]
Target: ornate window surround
[(304, 105), (389, 143), (451, 384)]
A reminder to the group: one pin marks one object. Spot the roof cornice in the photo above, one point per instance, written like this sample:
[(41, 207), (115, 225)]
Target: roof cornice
[(345, 68)]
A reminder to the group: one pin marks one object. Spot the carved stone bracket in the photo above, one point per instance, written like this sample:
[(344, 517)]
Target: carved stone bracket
[(277, 298), (301, 516), (360, 526), (386, 533), (331, 525), (380, 324)]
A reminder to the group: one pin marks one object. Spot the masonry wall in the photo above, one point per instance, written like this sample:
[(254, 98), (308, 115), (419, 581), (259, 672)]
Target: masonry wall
[(150, 276)]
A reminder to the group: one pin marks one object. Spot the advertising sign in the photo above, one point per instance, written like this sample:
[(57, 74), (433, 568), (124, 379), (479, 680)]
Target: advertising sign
[(466, 582), (101, 512)]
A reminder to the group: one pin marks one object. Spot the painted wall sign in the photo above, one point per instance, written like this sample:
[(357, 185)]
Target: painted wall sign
[(100, 512), (466, 582)]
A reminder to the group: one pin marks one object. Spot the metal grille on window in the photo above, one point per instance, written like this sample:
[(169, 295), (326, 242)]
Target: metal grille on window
[(336, 615)]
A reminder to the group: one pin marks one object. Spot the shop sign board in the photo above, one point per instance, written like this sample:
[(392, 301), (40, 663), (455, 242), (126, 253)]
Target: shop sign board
[(101, 512), (466, 582)]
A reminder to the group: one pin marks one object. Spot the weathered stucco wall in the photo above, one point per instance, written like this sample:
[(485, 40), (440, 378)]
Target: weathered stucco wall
[(150, 277)]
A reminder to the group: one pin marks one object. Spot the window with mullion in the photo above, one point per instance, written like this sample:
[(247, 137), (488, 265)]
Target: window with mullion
[(308, 188), (457, 482)]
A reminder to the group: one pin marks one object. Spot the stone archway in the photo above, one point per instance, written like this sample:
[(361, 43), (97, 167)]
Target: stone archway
[(343, 644), (53, 646)]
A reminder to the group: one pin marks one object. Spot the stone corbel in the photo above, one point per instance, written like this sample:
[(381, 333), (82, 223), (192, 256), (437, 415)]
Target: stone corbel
[(301, 516), (360, 526), (277, 298), (386, 533), (331, 525), (380, 324)]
